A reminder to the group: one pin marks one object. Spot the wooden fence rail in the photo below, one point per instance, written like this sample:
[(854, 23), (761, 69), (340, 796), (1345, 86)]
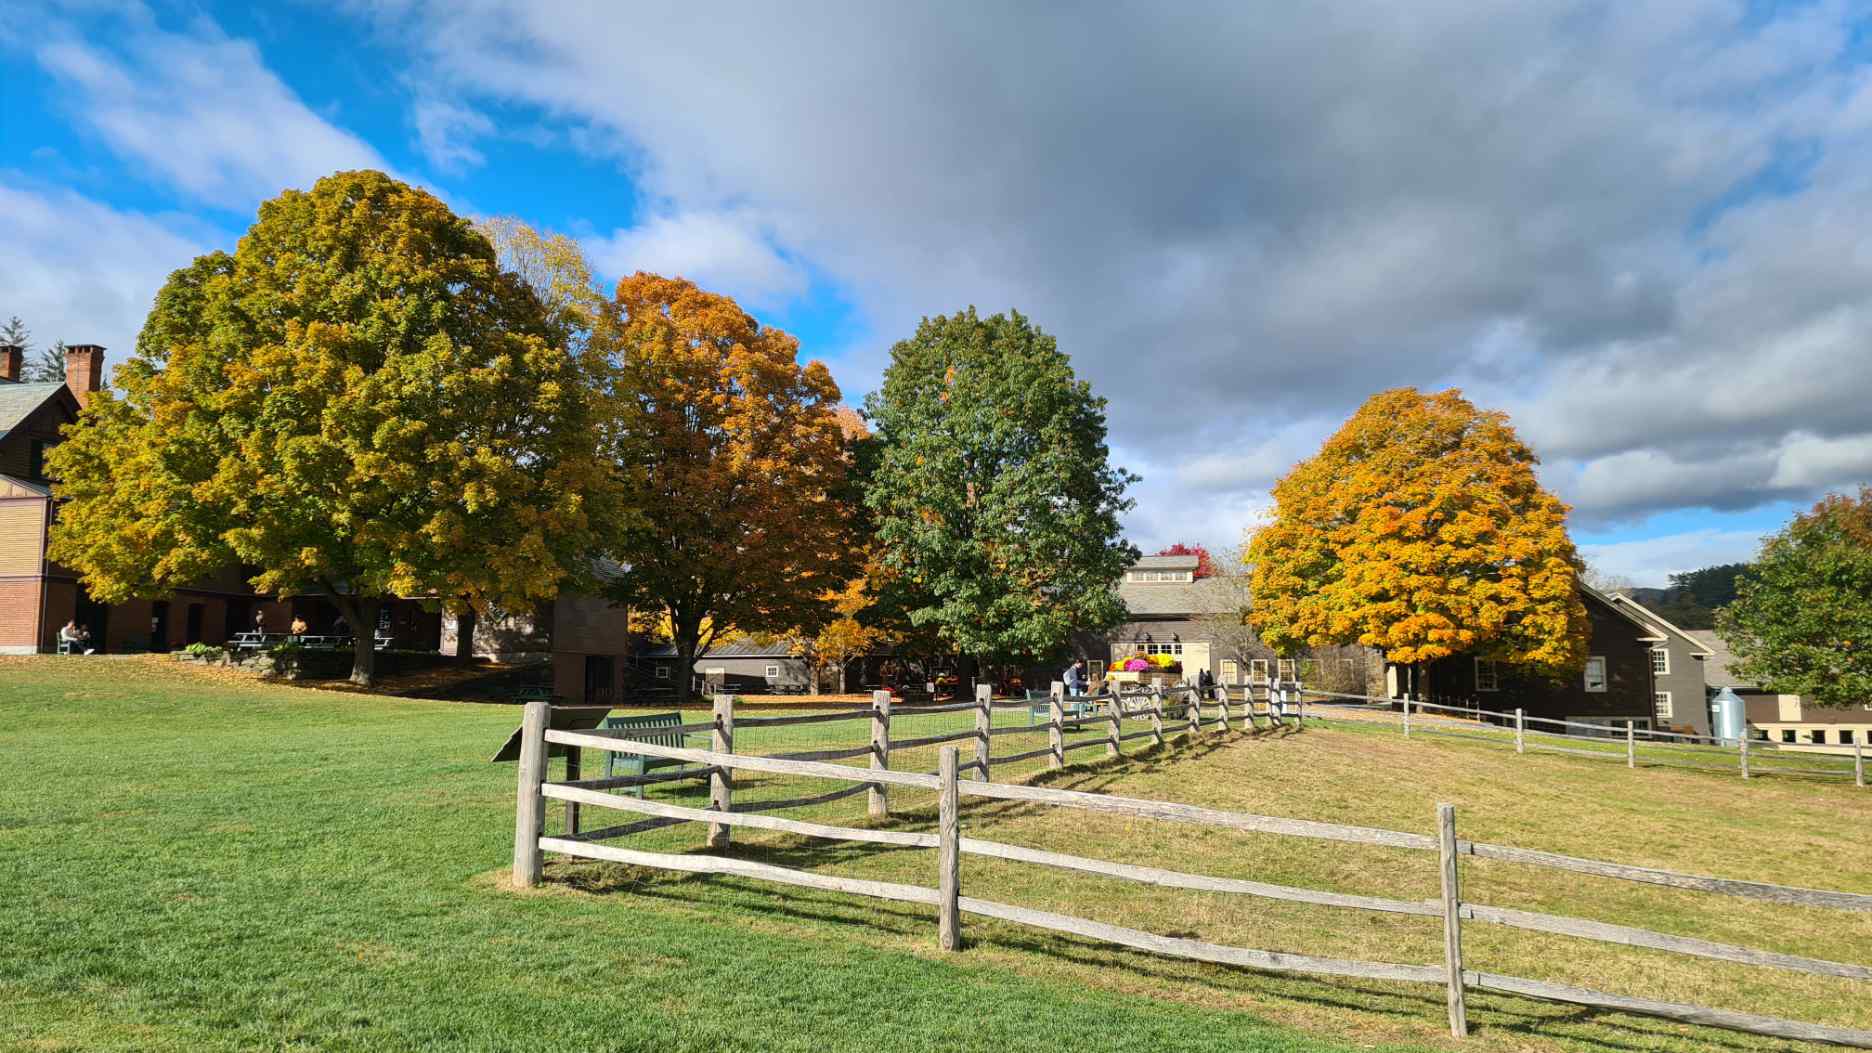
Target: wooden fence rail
[(950, 843)]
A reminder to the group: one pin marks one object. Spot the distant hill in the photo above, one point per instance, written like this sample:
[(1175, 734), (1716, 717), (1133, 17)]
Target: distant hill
[(1692, 599)]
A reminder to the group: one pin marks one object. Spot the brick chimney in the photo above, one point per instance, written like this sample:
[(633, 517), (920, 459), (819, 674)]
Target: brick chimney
[(12, 360), (84, 370)]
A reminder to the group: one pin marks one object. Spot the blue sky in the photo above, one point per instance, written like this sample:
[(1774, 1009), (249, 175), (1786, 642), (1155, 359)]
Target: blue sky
[(1636, 228)]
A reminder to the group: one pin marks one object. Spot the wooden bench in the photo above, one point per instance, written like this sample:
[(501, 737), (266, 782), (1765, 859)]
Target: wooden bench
[(646, 728)]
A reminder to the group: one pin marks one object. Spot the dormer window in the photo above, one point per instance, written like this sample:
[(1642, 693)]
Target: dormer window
[(1155, 576)]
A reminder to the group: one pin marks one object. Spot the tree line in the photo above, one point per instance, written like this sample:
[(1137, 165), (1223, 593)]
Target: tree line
[(372, 397), (46, 366)]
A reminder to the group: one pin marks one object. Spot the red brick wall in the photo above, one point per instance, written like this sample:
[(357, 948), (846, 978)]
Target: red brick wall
[(19, 615)]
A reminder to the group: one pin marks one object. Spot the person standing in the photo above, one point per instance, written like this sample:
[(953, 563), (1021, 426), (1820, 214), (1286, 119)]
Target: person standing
[(1075, 677)]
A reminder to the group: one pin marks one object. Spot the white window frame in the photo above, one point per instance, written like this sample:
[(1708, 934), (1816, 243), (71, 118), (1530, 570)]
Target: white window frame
[(1587, 676), (1285, 667), (773, 672), (1257, 671), (1661, 705), (662, 672), (1660, 661), (1490, 682)]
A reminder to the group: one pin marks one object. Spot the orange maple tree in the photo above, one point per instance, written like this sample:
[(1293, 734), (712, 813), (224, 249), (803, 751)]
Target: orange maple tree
[(736, 455), (1420, 529)]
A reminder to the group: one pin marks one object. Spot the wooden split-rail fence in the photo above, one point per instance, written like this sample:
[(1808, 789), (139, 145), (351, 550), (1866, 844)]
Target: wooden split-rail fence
[(1750, 758), (1454, 973)]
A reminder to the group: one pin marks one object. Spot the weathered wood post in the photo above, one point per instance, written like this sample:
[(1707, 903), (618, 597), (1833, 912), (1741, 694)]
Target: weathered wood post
[(721, 781), (984, 728), (1056, 724), (1452, 919), (877, 804), (1859, 765), (949, 855), (1156, 716), (1114, 713), (530, 807), (1744, 751), (1407, 716), (1520, 730), (572, 775), (1194, 700), (1631, 744), (1222, 700)]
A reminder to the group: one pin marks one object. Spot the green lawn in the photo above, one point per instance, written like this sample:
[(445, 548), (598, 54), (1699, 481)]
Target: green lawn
[(200, 863)]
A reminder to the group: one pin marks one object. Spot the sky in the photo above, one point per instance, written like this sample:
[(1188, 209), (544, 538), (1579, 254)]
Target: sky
[(1638, 228)]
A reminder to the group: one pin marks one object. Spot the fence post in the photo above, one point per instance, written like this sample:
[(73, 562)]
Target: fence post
[(1056, 720), (1745, 752), (1114, 712), (1156, 716), (1452, 920), (1631, 745), (984, 725), (1520, 730), (1859, 765), (721, 782), (1193, 700), (949, 856), (1407, 716), (877, 804), (1222, 700), (530, 807)]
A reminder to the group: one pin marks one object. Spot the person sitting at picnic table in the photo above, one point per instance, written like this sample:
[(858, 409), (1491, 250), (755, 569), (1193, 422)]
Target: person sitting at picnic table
[(298, 627), (260, 622), (73, 637)]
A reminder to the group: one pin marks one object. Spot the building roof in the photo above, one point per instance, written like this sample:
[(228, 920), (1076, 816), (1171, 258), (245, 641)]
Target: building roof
[(18, 401), (1165, 563), (1659, 620), (1183, 598), (1653, 634), (13, 486), (744, 647), (1716, 668)]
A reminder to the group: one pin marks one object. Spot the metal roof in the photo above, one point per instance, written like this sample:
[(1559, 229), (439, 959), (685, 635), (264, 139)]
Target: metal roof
[(18, 401), (1187, 598), (1165, 563)]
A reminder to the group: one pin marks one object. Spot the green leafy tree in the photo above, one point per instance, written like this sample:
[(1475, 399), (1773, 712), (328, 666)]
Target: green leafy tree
[(1801, 622), (358, 402), (994, 496)]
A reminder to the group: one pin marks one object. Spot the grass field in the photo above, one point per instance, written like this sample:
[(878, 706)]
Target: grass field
[(204, 863)]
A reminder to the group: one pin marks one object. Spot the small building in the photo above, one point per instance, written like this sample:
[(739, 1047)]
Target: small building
[(744, 666), (1618, 684), (1782, 718), (1679, 676), (1178, 619)]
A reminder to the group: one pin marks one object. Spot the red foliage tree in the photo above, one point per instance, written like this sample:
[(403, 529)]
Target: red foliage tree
[(1205, 567)]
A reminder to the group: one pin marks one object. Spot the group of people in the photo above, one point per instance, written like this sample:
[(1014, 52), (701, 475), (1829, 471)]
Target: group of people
[(75, 639), (1078, 683)]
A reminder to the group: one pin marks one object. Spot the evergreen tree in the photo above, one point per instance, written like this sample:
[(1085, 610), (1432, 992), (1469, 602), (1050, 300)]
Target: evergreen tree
[(48, 366)]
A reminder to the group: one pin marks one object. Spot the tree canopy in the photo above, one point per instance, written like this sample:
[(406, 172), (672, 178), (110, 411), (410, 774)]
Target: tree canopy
[(357, 402), (1420, 529), (995, 500), (735, 453), (1205, 564), (1801, 622)]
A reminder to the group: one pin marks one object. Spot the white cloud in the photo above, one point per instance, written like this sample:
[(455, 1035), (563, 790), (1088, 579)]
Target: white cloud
[(1650, 562), (198, 110), (731, 251), (446, 133), (80, 271)]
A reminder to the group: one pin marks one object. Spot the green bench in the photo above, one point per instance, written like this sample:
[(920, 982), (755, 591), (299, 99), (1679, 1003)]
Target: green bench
[(647, 728)]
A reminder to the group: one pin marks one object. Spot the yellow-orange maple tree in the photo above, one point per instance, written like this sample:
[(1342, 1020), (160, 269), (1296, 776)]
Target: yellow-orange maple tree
[(1420, 529), (733, 450)]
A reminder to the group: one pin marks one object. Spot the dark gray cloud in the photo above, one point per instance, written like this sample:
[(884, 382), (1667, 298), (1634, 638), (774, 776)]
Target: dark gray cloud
[(1635, 226)]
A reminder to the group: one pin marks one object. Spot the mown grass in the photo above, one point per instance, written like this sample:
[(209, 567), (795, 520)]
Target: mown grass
[(227, 865)]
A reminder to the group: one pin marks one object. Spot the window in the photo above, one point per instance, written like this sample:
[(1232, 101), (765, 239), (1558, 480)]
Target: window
[(1845, 736), (1660, 661), (1787, 734), (35, 459), (1817, 737), (773, 671), (1286, 668), (662, 672), (1257, 671), (1595, 674), (1487, 677), (1661, 701)]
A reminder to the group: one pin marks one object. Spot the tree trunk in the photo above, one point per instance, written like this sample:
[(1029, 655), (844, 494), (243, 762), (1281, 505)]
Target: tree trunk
[(686, 640), (843, 662), (464, 636), (361, 614)]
